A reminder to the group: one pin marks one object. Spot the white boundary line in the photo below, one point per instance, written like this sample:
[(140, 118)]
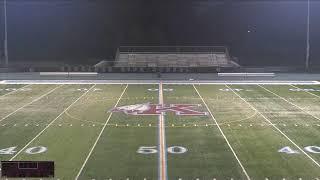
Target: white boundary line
[(15, 90), (157, 82), (234, 153), (38, 98), (104, 126), (162, 140), (51, 122), (274, 126), (306, 91), (290, 102)]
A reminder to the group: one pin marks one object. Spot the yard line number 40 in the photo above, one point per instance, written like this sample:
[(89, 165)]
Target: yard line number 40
[(31, 150), (289, 150)]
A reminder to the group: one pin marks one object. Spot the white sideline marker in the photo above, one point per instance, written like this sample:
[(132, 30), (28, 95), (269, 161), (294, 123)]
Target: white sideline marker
[(222, 133), (38, 98), (314, 161), (104, 126), (48, 125)]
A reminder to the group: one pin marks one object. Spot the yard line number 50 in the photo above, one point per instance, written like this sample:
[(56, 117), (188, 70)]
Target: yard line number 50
[(153, 150), (31, 150)]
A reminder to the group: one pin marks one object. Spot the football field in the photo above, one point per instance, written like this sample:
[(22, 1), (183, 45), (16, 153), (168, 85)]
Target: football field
[(164, 131)]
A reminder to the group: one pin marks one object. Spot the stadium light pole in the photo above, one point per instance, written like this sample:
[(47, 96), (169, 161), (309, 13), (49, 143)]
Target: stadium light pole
[(308, 38), (6, 59)]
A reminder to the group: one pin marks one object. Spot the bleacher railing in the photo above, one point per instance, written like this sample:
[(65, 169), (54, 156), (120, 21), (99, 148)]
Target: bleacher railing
[(172, 49)]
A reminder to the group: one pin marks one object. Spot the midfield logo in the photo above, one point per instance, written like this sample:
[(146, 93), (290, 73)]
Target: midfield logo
[(157, 109)]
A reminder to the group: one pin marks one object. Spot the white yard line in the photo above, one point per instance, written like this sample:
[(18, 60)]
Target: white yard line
[(15, 90), (104, 126), (222, 133), (29, 103), (51, 123), (162, 140), (289, 102), (305, 91), (274, 126)]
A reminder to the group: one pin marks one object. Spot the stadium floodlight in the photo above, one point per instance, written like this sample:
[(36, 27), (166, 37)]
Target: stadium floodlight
[(6, 59), (308, 37)]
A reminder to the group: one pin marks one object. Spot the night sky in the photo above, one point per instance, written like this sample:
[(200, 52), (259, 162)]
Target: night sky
[(263, 32)]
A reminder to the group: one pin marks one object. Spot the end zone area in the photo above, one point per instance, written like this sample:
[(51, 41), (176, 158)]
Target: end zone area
[(222, 130)]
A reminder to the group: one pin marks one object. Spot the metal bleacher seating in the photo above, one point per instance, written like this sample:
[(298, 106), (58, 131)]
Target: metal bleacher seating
[(173, 56)]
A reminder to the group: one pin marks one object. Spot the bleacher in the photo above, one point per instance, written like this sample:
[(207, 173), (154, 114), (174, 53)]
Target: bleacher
[(172, 56)]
